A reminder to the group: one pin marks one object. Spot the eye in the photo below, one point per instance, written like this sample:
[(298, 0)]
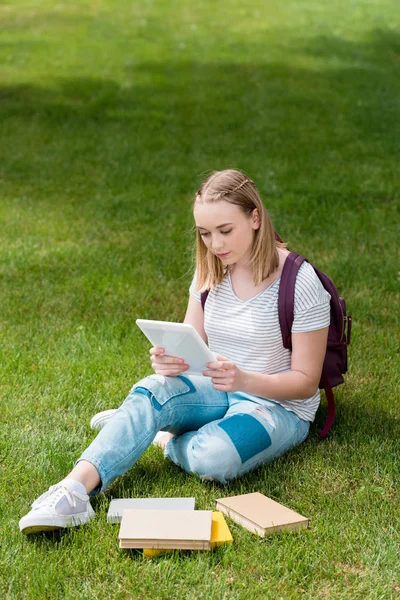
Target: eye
[(226, 232), (203, 234)]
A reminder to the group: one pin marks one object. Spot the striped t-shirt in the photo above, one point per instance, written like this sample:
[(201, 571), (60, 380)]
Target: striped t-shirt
[(248, 331)]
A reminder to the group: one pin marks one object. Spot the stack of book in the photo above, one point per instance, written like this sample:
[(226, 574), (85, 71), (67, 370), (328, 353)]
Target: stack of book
[(162, 524)]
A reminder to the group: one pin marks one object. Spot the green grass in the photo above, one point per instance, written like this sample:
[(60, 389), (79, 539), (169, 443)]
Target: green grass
[(110, 115)]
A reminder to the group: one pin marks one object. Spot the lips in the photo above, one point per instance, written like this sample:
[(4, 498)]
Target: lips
[(223, 255)]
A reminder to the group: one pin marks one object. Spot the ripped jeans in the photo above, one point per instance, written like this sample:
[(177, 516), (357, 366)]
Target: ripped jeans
[(219, 435)]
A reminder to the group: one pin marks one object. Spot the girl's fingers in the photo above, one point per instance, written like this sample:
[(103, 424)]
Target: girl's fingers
[(214, 373), (167, 367), (173, 360), (171, 372), (217, 381), (157, 350), (220, 373), (221, 365)]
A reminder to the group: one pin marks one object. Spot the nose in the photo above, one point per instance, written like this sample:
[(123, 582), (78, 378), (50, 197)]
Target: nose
[(217, 243), (217, 248)]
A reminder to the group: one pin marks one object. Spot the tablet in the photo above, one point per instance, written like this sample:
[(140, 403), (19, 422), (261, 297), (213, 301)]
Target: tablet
[(180, 340)]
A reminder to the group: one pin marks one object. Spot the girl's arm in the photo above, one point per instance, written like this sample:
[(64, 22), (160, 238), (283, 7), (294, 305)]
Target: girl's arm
[(308, 353), (195, 316)]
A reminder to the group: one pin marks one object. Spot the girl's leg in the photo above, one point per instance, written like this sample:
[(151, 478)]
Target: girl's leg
[(250, 433), (86, 474), (176, 404)]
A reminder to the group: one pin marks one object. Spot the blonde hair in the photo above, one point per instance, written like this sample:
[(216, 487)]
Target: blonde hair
[(235, 187)]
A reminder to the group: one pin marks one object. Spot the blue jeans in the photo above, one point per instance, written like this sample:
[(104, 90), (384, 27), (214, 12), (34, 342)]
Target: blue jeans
[(219, 435)]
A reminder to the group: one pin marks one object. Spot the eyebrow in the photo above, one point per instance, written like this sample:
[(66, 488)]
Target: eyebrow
[(218, 226)]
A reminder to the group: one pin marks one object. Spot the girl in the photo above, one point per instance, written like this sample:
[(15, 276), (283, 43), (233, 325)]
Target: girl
[(254, 403)]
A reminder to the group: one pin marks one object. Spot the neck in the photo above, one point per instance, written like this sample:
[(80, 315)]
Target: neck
[(240, 268), (243, 264)]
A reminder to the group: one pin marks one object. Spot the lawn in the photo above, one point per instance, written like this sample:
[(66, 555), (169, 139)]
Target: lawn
[(111, 113)]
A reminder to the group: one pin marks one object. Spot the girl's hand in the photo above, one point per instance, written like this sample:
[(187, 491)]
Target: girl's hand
[(166, 365), (225, 375)]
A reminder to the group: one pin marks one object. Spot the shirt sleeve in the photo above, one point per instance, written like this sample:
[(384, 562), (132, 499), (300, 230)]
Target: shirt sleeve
[(192, 290), (312, 308)]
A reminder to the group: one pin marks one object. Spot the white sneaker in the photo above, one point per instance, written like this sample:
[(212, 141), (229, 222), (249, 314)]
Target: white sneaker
[(65, 504), (101, 418)]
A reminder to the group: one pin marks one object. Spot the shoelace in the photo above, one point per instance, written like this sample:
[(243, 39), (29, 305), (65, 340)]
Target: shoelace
[(55, 492)]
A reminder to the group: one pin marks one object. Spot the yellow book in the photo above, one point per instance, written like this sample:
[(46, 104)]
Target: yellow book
[(220, 534)]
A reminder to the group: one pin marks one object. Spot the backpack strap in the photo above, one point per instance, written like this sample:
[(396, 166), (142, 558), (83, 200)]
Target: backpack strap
[(203, 298), (286, 316), (291, 267), (330, 417)]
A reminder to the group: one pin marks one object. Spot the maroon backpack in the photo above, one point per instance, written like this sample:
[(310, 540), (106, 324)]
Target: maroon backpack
[(335, 362)]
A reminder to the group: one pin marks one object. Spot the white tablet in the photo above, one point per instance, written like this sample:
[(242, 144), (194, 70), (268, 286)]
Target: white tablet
[(180, 340)]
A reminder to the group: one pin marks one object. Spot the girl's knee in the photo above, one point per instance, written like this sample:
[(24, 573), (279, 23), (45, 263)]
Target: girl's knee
[(213, 459)]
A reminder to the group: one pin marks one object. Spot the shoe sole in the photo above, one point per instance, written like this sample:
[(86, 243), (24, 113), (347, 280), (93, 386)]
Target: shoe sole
[(36, 525), (40, 529)]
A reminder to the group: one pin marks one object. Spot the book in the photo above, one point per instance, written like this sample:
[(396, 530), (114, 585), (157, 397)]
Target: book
[(173, 529), (118, 505), (260, 514), (220, 534)]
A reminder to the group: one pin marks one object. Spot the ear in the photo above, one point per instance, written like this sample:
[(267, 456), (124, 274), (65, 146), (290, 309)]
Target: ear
[(255, 219)]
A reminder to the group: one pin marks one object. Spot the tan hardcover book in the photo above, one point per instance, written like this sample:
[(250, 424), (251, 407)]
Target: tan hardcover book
[(183, 529), (260, 514)]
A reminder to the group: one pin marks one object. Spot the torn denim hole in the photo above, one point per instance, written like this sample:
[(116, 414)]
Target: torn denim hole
[(265, 414)]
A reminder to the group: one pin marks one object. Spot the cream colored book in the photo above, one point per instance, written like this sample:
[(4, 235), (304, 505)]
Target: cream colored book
[(118, 505), (169, 529), (260, 514)]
